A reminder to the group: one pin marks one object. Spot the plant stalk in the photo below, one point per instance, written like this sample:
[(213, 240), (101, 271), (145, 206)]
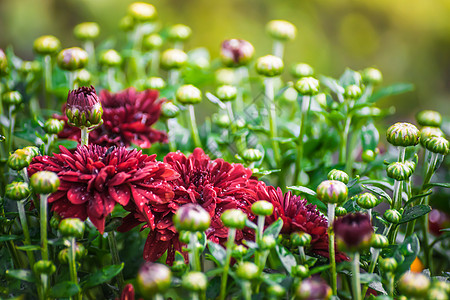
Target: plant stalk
[(193, 253), (115, 257), (73, 265), (226, 267), (331, 214), (43, 206), (356, 284), (193, 125), (306, 104), (270, 105), (84, 136), (26, 231)]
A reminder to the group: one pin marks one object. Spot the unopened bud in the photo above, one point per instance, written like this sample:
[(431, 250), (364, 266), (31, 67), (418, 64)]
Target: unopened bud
[(17, 191), (179, 32), (340, 211), (72, 227), (372, 76), (152, 42), (300, 239), (191, 217), (188, 94), (86, 31), (44, 267), (194, 281), (173, 59), (403, 134), (46, 45), (332, 191), (236, 52), (142, 12), (19, 159), (379, 241), (398, 171), (392, 216), (269, 66), (338, 175), (110, 58), (169, 110), (252, 155), (53, 126), (153, 279), (437, 144), (429, 118), (307, 86), (352, 92), (367, 200), (388, 265), (83, 107), (71, 59), (226, 92), (300, 271), (247, 271), (12, 98), (281, 30), (234, 218), (155, 83), (414, 285), (302, 70)]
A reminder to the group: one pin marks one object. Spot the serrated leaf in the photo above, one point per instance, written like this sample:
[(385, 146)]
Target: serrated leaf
[(25, 275), (104, 275), (394, 89), (415, 212), (274, 229), (65, 289), (218, 252), (286, 257), (302, 189)]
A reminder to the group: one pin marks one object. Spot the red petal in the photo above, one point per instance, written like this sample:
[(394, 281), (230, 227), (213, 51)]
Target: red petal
[(118, 179), (78, 195), (120, 194)]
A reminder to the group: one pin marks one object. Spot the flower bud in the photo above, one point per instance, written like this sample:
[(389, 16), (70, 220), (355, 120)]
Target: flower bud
[(300, 271), (72, 228), (427, 132), (234, 218), (392, 216), (388, 265), (153, 278), (191, 217), (19, 159), (17, 191), (310, 288), (53, 126), (169, 110), (152, 42), (403, 134), (414, 285), (188, 94), (302, 70), (353, 232), (269, 66), (126, 23), (235, 53), (173, 59), (247, 271), (352, 92), (83, 107), (429, 118), (262, 208), (110, 58), (281, 30), (30, 67), (252, 155), (369, 155), (367, 200), (194, 281), (300, 239), (437, 144), (332, 191), (179, 32), (179, 266), (86, 31), (33, 151), (46, 45), (142, 12), (307, 86), (71, 59), (12, 98), (238, 251), (411, 165), (338, 175), (54, 221), (3, 62), (226, 92), (268, 242), (83, 77), (222, 120), (340, 211), (276, 290), (371, 76), (44, 267), (398, 171), (155, 83), (184, 236), (379, 241), (224, 76)]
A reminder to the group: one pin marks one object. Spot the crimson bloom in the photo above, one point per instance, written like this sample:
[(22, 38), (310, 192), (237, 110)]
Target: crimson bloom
[(216, 185), (94, 178), (127, 119), (297, 215)]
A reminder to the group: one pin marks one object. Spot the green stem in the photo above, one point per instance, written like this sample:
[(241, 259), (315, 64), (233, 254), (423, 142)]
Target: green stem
[(84, 136), (390, 289), (90, 49), (278, 48), (226, 267), (115, 257), (111, 75), (171, 136), (26, 231), (193, 255), (154, 67), (193, 125), (356, 284), (331, 213), (343, 142), (425, 242), (301, 252), (72, 84), (306, 103), (12, 122), (261, 220), (373, 263), (43, 206), (48, 79), (270, 104), (173, 77), (401, 154), (73, 265), (247, 290)]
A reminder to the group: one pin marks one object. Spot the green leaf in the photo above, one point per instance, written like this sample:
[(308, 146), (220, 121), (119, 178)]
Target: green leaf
[(369, 278), (104, 275), (369, 137), (350, 77), (29, 247), (11, 237), (69, 144), (318, 269), (302, 189), (25, 275), (444, 185), (415, 212), (332, 84), (65, 289), (286, 257), (394, 89), (250, 224), (218, 252), (412, 199), (274, 228), (378, 192), (407, 251)]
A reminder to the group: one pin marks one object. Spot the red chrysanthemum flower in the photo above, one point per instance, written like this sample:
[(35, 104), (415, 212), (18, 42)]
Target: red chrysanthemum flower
[(127, 119), (216, 185), (297, 215), (94, 178)]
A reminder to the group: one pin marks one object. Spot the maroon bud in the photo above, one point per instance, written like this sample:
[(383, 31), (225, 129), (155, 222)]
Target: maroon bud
[(313, 288), (353, 231), (83, 107), (236, 52)]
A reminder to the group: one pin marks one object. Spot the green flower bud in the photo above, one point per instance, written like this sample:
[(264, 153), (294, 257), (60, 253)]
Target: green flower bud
[(238, 251), (226, 92), (224, 76), (403, 134), (234, 218), (427, 132), (300, 271), (435, 293), (268, 242), (352, 92), (221, 120), (252, 155), (247, 271), (86, 31), (179, 32), (191, 217), (83, 107), (142, 12), (388, 265), (153, 279), (429, 118), (54, 221), (269, 66), (340, 211), (276, 290), (300, 239), (262, 208), (46, 45), (173, 59), (338, 175), (53, 126), (179, 266), (44, 267), (332, 191), (110, 58), (398, 171), (169, 110), (379, 241), (72, 228), (369, 155), (188, 94), (194, 281), (313, 289), (281, 30), (367, 200), (414, 285), (33, 151), (235, 53), (12, 98), (17, 191), (240, 123), (302, 70), (437, 144), (152, 41), (3, 62), (372, 76), (19, 159), (155, 83), (30, 67), (184, 236), (307, 86), (393, 216), (83, 77), (71, 59), (126, 23)]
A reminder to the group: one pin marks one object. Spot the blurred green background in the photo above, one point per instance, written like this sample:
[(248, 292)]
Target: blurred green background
[(409, 40)]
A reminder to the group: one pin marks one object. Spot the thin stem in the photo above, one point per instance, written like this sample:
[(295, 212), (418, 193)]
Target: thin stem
[(171, 135), (401, 154), (111, 75), (84, 136), (71, 76), (397, 202), (90, 49), (193, 255), (173, 77), (373, 263), (261, 220), (301, 252), (343, 143), (391, 279), (356, 285), (270, 105), (48, 79), (26, 232), (278, 48), (425, 242), (12, 122), (226, 267), (247, 290), (50, 138), (193, 125), (115, 257), (43, 205), (154, 66), (306, 103), (331, 210), (73, 265)]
